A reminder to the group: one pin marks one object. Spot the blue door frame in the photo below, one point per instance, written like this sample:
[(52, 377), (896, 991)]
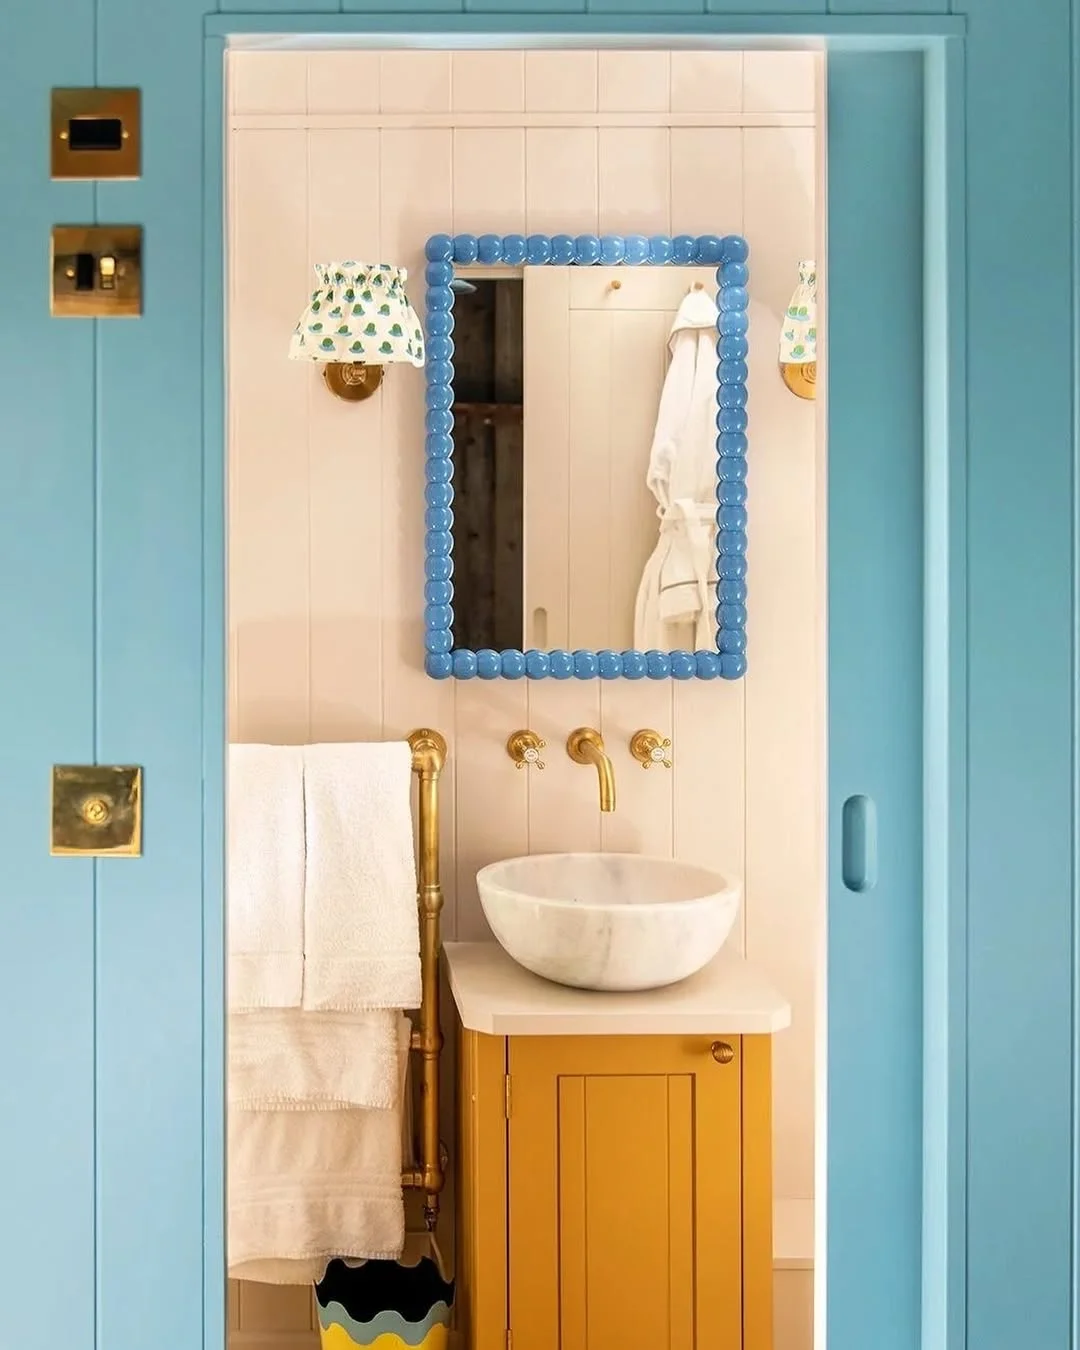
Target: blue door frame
[(113, 620)]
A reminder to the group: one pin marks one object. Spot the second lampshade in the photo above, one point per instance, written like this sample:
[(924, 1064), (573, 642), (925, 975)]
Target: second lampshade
[(358, 320)]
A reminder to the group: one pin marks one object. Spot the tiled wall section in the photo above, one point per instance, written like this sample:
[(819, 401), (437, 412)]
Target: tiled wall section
[(365, 154)]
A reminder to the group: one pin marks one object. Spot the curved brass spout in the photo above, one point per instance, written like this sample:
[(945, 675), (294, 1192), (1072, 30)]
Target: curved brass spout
[(586, 746)]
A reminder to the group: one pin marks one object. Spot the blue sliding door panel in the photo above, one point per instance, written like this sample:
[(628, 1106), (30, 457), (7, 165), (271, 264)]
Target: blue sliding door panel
[(875, 467), (1021, 298), (47, 599)]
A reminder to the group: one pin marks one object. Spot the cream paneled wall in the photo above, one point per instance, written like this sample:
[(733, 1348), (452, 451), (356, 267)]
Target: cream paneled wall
[(347, 154)]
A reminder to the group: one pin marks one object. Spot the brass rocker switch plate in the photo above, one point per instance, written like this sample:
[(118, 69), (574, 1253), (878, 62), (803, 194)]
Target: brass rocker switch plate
[(97, 271), (96, 811), (96, 133)]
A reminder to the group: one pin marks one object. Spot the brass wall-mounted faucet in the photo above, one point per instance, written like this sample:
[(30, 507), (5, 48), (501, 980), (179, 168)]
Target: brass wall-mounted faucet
[(586, 746)]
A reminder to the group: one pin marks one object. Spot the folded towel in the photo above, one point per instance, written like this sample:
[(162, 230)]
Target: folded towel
[(361, 933), (285, 1059), (305, 1187), (265, 876)]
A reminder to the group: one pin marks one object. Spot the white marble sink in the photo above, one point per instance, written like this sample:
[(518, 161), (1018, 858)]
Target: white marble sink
[(609, 921)]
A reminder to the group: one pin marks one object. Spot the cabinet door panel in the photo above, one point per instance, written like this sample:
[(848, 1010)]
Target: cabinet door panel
[(625, 1195)]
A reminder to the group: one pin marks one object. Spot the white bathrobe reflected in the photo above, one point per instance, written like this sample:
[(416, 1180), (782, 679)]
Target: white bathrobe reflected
[(676, 603)]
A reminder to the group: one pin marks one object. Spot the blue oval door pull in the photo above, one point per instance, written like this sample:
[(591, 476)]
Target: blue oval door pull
[(858, 862)]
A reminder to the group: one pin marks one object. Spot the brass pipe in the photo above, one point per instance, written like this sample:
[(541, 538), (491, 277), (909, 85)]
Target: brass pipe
[(429, 759), (586, 746)]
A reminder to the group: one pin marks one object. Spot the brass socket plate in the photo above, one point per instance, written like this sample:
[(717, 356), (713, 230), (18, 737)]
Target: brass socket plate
[(352, 380), (96, 271), (96, 133), (96, 811)]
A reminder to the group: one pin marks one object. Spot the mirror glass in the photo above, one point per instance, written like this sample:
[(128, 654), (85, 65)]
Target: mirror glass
[(596, 435)]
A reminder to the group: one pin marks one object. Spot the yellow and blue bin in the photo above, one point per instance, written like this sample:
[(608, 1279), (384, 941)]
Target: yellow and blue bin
[(386, 1305)]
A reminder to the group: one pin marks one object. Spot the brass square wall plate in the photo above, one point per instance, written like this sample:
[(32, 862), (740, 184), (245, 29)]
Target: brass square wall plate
[(96, 811), (96, 271), (96, 133)]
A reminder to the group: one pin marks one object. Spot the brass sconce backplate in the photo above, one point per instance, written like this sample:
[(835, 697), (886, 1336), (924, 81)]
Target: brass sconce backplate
[(96, 133), (800, 377), (351, 380), (97, 271), (96, 811)]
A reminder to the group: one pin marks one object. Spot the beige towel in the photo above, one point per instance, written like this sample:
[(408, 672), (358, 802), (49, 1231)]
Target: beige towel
[(361, 932), (265, 876), (285, 1059), (306, 1186)]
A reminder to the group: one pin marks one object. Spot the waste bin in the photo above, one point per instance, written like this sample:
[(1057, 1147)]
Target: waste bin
[(387, 1305)]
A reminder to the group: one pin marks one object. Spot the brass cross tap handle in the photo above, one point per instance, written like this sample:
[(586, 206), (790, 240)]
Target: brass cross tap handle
[(649, 748), (524, 748)]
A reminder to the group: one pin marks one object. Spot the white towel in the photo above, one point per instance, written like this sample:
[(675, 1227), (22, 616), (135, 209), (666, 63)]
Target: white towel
[(305, 1187), (285, 1059), (265, 876), (361, 932)]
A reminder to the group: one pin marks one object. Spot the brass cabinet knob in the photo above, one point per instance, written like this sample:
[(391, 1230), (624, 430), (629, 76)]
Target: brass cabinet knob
[(524, 748), (649, 748), (722, 1052)]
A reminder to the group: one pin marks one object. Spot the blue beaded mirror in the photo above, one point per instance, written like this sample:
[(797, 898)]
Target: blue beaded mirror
[(586, 457)]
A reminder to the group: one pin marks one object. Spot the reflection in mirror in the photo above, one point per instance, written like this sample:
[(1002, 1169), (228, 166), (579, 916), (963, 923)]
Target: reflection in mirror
[(585, 477), (591, 518), (488, 463)]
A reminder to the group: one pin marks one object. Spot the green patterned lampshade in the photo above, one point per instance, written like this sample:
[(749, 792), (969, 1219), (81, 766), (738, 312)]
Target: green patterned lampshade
[(359, 312), (798, 331)]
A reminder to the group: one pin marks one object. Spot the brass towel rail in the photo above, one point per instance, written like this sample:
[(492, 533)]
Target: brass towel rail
[(428, 761)]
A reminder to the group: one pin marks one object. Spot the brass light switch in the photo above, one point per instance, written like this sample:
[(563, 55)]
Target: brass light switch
[(96, 133), (96, 811), (97, 271)]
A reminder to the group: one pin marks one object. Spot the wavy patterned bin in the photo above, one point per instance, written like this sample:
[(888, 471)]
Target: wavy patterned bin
[(385, 1305)]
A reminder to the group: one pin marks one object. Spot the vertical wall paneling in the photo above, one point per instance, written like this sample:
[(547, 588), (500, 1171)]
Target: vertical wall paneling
[(269, 495), (1022, 977), (326, 534), (707, 203), (48, 541), (635, 180), (561, 81), (782, 713), (346, 461), (416, 200), (488, 193), (150, 670), (706, 81), (945, 898), (561, 183)]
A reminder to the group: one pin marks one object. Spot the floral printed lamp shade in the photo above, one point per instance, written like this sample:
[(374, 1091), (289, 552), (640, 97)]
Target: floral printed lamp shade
[(798, 334), (357, 321)]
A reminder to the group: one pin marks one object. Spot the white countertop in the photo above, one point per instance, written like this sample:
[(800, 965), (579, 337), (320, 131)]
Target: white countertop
[(496, 996)]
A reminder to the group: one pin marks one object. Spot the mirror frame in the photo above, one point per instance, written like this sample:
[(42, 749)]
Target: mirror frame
[(729, 254)]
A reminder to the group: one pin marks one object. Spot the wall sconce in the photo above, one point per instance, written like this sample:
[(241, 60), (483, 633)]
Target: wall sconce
[(357, 321), (798, 335)]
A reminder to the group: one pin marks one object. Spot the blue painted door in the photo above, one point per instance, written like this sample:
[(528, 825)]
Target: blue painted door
[(875, 697)]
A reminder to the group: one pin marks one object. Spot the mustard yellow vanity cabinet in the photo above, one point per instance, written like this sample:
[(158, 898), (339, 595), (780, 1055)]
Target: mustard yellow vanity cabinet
[(614, 1191)]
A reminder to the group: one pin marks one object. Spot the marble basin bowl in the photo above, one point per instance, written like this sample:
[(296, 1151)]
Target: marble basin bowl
[(610, 921)]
